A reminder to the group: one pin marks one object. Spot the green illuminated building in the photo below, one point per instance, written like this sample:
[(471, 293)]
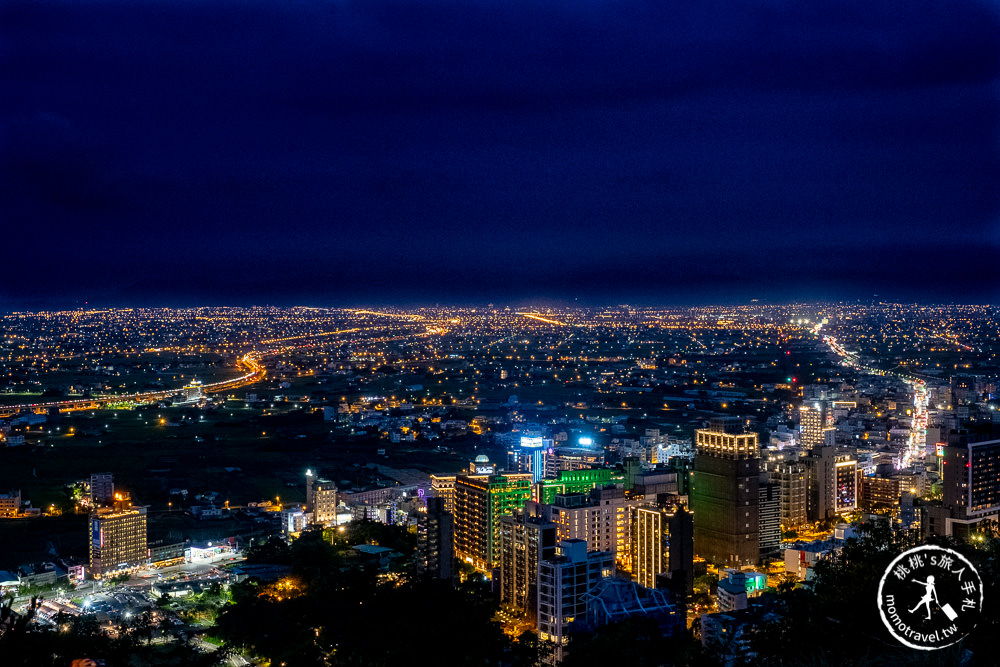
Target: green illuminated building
[(576, 481), (480, 501)]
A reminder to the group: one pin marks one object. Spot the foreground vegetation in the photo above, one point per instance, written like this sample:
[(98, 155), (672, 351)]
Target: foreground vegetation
[(332, 606)]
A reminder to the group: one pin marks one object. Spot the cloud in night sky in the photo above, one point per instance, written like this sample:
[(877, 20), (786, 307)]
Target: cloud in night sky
[(345, 152)]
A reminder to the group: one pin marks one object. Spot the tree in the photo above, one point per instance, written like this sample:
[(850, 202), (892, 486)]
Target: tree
[(273, 551), (637, 642), (834, 619)]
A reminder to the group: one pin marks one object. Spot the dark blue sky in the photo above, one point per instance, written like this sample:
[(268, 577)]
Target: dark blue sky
[(333, 152)]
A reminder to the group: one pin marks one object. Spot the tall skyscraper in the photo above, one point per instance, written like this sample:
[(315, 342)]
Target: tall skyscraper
[(435, 541), (480, 501), (117, 540), (525, 541), (725, 495), (321, 500)]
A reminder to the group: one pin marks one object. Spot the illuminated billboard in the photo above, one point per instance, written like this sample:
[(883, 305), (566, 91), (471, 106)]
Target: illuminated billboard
[(531, 441), (939, 449)]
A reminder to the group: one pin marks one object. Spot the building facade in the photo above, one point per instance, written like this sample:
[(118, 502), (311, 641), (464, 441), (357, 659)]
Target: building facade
[(525, 541), (769, 509), (443, 486), (576, 481), (970, 487), (321, 500), (601, 518), (725, 495), (846, 484), (10, 504), (563, 584), (117, 540), (792, 477), (650, 545), (879, 494), (832, 480), (102, 489), (435, 541), (815, 431), (480, 501)]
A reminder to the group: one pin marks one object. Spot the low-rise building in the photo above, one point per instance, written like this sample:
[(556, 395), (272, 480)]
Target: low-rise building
[(10, 504)]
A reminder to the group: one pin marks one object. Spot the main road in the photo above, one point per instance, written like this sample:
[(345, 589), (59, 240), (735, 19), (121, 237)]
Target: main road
[(916, 444)]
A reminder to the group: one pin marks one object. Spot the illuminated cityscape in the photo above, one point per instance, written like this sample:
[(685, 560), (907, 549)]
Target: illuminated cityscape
[(678, 449), (499, 334)]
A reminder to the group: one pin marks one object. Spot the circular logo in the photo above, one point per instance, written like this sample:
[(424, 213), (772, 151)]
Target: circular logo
[(930, 597)]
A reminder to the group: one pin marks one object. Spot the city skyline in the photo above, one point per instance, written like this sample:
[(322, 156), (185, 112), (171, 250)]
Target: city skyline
[(690, 470), (531, 334)]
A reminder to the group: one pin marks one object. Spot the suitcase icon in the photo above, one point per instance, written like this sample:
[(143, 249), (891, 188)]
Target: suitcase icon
[(949, 612)]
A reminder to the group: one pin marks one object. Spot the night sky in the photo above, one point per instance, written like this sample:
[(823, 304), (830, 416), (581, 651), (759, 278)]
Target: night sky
[(431, 151)]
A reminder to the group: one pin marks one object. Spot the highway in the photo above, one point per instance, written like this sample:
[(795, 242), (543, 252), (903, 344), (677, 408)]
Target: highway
[(251, 363)]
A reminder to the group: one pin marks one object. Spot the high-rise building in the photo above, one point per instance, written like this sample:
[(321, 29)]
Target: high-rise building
[(601, 518), (846, 481), (529, 456), (879, 494), (102, 489), (525, 540), (725, 495), (117, 540), (769, 509), (680, 564), (662, 548), (443, 486), (435, 541), (321, 500), (576, 481), (650, 545), (832, 480), (970, 484), (815, 427), (791, 476), (480, 501), (564, 580)]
